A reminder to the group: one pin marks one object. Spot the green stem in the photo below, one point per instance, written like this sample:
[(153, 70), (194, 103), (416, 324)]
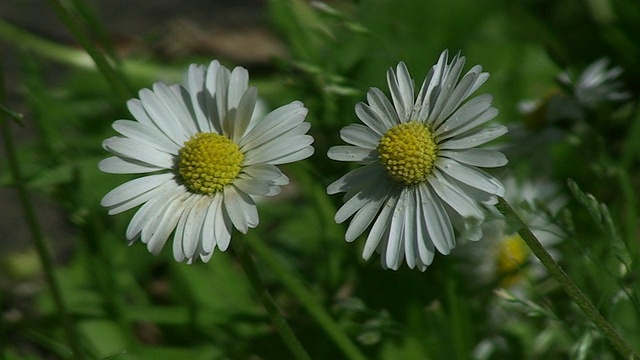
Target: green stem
[(117, 81), (267, 301), (336, 333), (17, 117), (569, 286), (43, 251), (631, 213), (142, 70)]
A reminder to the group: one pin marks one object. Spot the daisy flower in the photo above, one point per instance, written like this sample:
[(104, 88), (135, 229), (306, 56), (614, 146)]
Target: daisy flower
[(596, 84), (204, 156), (421, 177), (502, 255)]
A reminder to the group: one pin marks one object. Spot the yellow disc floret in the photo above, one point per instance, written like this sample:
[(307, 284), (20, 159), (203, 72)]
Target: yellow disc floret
[(208, 162), (408, 151), (511, 254)]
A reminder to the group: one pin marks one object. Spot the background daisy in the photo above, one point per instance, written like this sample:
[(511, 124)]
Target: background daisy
[(502, 257)]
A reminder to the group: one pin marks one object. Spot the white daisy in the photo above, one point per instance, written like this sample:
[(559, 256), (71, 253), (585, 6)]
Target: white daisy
[(596, 84), (502, 255), (205, 155), (420, 178)]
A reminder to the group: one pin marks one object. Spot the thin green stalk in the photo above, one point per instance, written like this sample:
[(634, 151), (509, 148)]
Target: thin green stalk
[(117, 81), (336, 333), (459, 329), (139, 69), (569, 286), (267, 301), (17, 117), (94, 25), (41, 246), (631, 213)]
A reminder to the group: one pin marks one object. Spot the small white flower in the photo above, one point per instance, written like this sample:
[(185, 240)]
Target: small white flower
[(502, 256), (205, 155), (421, 176), (596, 84)]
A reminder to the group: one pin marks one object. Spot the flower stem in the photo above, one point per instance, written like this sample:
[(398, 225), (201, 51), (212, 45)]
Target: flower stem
[(337, 334), (569, 286), (43, 251), (17, 117), (269, 304), (118, 82)]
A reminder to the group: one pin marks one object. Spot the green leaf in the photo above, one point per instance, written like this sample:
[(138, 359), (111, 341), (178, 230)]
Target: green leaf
[(104, 337), (600, 214)]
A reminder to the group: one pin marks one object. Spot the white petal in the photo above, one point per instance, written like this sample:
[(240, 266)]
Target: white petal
[(208, 242), (371, 119), (156, 232), (459, 201), (380, 226), (481, 119), (118, 165), (274, 153), (142, 198), (250, 185), (200, 96), (352, 153), (158, 113), (383, 108), (476, 157), (480, 79), (137, 110), (240, 208), (238, 85), (426, 250), (465, 113), (194, 223), (174, 211), (360, 135), (223, 226), (438, 223), (365, 215), (474, 138), (362, 198), (294, 156), (246, 107), (410, 230), (274, 124), (401, 87), (179, 253), (134, 188), (396, 232), (149, 210), (265, 172), (430, 88), (355, 178), (221, 97), (457, 95), (136, 150), (211, 84), (291, 136), (149, 135), (171, 97), (468, 175), (450, 78)]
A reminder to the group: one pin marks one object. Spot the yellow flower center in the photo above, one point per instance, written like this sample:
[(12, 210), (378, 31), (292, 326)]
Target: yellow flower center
[(408, 151), (208, 162), (511, 255)]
